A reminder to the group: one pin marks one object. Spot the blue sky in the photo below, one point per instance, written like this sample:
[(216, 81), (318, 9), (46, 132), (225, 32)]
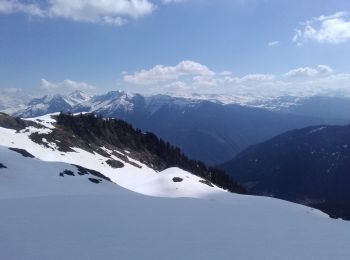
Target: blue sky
[(213, 46)]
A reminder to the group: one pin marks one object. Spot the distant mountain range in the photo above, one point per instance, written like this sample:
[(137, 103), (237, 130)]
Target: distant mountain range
[(206, 127), (309, 166), (51, 104)]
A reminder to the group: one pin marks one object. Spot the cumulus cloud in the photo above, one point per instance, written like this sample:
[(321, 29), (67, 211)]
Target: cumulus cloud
[(172, 1), (192, 77), (111, 12), (64, 86), (12, 98), (273, 43), (107, 11), (332, 29), (320, 70), (226, 73), (161, 73), (257, 77), (247, 79), (332, 84), (14, 6)]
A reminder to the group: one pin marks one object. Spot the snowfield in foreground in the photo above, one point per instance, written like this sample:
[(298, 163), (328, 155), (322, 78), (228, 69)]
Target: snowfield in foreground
[(49, 215)]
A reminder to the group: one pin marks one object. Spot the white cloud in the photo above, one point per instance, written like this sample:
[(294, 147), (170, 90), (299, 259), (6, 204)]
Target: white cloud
[(14, 6), (160, 73), (247, 79), (320, 70), (97, 11), (64, 86), (12, 97), (333, 29), (117, 21), (191, 77), (175, 87), (334, 84), (324, 69), (257, 77), (226, 73), (204, 81), (173, 1), (273, 43), (106, 11)]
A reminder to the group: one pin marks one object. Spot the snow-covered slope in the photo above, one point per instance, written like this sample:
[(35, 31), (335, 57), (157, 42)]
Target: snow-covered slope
[(46, 216), (133, 175), (111, 101), (24, 176)]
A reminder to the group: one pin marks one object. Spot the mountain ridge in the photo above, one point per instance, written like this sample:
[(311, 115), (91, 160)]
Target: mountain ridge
[(309, 166), (204, 128)]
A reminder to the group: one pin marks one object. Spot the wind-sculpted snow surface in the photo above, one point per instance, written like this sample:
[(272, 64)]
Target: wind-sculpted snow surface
[(47, 216)]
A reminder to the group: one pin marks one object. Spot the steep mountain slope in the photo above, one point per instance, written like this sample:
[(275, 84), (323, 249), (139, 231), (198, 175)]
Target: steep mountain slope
[(309, 166), (48, 216), (125, 155), (210, 131)]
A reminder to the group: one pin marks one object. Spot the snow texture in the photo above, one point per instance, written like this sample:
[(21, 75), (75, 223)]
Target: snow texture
[(45, 216)]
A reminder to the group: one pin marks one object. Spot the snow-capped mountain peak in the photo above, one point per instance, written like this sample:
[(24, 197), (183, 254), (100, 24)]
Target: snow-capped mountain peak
[(78, 97)]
